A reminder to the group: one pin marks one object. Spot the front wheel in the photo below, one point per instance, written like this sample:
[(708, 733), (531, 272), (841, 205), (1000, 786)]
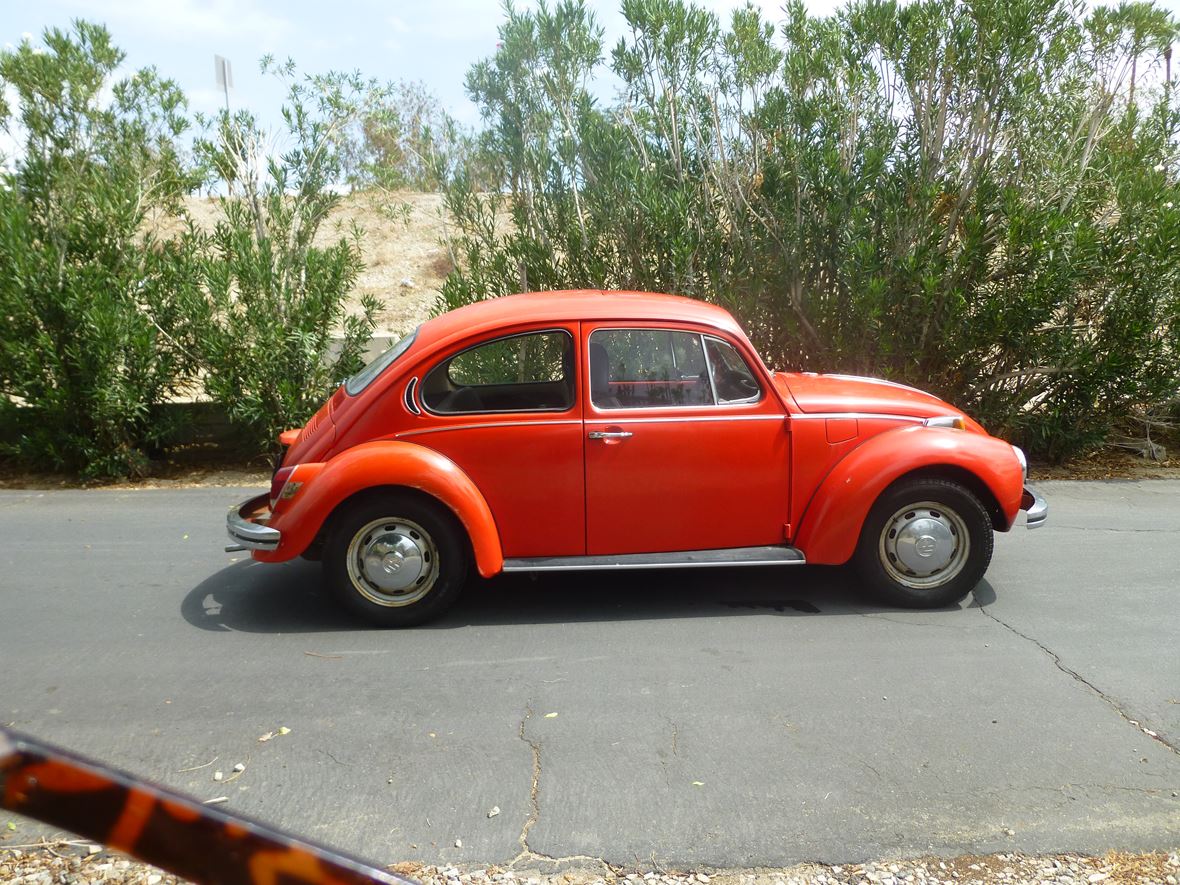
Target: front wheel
[(396, 560), (925, 544)]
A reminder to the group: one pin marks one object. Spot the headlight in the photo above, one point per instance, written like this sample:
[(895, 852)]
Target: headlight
[(1020, 456)]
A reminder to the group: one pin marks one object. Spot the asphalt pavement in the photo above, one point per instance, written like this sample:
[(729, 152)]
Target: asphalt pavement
[(683, 718)]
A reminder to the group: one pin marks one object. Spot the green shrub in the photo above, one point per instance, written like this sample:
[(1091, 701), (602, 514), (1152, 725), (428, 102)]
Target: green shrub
[(270, 321), (979, 198), (86, 355)]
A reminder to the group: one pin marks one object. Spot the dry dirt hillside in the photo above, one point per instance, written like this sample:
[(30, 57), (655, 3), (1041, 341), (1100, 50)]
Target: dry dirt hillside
[(406, 260)]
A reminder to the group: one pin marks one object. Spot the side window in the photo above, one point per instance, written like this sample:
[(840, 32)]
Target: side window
[(521, 373), (644, 368), (733, 381)]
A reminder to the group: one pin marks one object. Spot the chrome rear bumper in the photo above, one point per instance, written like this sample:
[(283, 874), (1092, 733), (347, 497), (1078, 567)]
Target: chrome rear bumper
[(245, 524), (1036, 507)]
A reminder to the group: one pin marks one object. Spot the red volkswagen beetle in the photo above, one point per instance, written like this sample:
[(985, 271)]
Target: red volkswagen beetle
[(610, 430)]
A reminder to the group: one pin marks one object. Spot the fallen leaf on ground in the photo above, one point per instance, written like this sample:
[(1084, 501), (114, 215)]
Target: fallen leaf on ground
[(550, 715)]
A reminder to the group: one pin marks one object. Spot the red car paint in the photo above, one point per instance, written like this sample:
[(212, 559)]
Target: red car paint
[(801, 464)]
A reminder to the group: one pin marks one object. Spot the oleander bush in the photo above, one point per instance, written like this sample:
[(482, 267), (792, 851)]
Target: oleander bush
[(86, 354), (978, 197), (270, 320), (113, 301)]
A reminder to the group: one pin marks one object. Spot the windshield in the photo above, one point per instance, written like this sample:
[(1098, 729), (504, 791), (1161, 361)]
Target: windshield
[(365, 376)]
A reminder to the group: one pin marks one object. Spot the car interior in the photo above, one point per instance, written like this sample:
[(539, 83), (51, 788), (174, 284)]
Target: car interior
[(522, 373), (642, 368)]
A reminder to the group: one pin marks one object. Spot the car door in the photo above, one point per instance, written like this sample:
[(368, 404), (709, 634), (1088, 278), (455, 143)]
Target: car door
[(686, 445), (507, 411)]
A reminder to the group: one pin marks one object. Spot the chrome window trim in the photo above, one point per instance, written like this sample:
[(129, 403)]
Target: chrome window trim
[(445, 427), (458, 353), (823, 416), (709, 371), (678, 419), (409, 396), (708, 368)]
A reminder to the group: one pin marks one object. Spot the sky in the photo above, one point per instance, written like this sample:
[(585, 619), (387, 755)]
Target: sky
[(434, 41)]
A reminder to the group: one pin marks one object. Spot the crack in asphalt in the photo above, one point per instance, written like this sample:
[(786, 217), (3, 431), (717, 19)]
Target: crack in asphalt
[(527, 853), (1095, 528), (333, 758), (1111, 702), (674, 748), (534, 788), (883, 616)]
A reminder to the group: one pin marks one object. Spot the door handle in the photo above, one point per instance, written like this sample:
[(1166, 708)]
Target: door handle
[(610, 434)]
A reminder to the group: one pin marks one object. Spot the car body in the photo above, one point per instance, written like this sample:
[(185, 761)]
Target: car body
[(604, 430)]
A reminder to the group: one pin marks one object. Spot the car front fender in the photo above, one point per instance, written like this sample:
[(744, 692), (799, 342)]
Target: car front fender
[(831, 523), (382, 463)]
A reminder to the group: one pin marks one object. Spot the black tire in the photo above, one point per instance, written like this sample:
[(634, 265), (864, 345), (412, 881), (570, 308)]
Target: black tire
[(924, 515), (399, 531)]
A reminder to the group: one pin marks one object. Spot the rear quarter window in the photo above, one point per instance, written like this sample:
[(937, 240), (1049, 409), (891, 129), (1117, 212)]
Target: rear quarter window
[(519, 373)]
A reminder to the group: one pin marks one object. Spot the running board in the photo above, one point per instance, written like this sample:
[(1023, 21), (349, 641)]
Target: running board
[(680, 559)]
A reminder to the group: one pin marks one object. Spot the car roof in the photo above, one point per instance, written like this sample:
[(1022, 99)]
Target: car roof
[(564, 306)]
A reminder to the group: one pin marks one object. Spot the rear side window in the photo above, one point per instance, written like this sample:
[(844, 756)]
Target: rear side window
[(520, 373)]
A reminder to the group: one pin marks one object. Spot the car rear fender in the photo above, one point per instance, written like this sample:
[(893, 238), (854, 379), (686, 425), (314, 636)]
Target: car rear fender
[(831, 523), (383, 464)]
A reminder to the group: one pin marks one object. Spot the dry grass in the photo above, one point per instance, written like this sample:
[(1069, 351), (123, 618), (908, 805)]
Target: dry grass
[(1108, 464), (401, 241)]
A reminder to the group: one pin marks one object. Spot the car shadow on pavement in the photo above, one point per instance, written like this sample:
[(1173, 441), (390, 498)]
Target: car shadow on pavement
[(287, 598)]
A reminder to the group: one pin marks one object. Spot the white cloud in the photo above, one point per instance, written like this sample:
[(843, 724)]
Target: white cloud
[(456, 20), (187, 19), (206, 101)]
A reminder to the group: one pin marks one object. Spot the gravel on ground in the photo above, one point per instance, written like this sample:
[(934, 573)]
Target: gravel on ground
[(76, 862)]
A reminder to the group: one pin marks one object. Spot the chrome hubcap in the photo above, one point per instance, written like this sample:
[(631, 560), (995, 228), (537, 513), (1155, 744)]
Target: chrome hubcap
[(924, 545), (392, 562)]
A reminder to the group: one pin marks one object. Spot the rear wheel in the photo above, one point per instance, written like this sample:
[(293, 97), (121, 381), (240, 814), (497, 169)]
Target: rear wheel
[(926, 543), (397, 560)]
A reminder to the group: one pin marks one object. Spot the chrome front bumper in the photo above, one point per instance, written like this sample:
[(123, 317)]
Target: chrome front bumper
[(1036, 507), (246, 526)]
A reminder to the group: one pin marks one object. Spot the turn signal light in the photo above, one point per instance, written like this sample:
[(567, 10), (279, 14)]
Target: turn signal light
[(952, 421)]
